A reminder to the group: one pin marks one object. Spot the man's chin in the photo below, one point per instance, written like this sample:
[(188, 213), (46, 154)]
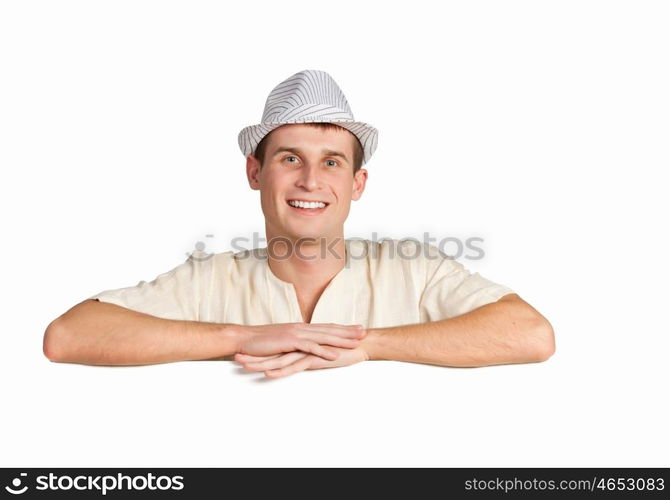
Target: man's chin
[(307, 236), (303, 233)]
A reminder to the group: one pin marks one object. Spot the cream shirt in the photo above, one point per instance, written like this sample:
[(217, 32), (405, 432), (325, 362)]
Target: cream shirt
[(387, 283)]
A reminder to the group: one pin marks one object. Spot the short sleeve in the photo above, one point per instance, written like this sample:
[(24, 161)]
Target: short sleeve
[(172, 295), (453, 290)]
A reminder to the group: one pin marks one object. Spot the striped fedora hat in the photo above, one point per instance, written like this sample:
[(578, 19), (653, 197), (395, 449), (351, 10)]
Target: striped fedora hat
[(309, 96)]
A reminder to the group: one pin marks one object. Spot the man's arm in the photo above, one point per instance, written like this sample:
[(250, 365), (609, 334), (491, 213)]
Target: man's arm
[(99, 333), (507, 331)]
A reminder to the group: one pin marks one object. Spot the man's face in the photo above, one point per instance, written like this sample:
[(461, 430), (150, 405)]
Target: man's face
[(303, 163)]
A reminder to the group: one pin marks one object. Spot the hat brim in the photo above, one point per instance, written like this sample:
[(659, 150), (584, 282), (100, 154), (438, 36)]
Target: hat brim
[(249, 137)]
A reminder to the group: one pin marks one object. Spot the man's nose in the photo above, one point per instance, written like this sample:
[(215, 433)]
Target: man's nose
[(309, 175)]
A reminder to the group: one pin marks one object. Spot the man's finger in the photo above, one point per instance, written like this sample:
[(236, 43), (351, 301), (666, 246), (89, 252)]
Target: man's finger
[(334, 340), (298, 366), (317, 349), (243, 358), (273, 364)]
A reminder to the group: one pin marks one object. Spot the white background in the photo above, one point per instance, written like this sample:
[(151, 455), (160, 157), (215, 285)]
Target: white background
[(541, 127)]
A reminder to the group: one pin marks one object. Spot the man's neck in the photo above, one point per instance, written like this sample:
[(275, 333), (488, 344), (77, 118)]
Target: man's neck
[(309, 265)]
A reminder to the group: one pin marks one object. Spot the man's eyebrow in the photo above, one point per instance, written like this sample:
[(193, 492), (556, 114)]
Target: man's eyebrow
[(325, 152)]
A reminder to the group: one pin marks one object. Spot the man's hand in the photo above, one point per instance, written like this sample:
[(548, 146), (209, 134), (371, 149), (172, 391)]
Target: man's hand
[(319, 340), (282, 365)]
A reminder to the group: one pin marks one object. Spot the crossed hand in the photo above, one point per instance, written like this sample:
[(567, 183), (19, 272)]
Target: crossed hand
[(283, 349)]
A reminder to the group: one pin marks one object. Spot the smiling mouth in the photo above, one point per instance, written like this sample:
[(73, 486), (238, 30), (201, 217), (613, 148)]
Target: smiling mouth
[(308, 209)]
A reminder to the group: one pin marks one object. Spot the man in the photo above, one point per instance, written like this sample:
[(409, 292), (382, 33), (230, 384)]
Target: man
[(311, 298)]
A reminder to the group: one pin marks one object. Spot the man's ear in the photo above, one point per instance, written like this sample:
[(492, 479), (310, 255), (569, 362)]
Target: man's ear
[(253, 172), (360, 179)]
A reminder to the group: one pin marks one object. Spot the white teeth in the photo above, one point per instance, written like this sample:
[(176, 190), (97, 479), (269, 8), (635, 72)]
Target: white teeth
[(306, 204)]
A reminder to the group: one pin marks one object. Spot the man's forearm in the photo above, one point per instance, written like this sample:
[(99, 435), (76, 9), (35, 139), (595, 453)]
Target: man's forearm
[(502, 332), (99, 333)]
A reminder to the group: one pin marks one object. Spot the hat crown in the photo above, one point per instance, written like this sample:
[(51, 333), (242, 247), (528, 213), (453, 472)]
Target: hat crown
[(309, 95)]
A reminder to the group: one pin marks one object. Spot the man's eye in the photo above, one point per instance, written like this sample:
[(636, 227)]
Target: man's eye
[(290, 157), (332, 161)]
